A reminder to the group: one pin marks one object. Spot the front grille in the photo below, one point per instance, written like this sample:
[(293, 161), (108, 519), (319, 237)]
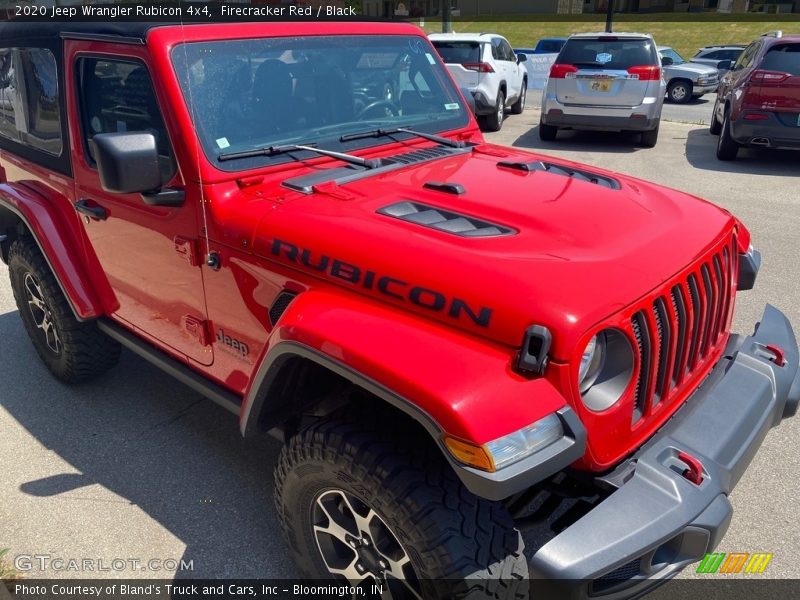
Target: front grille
[(680, 328)]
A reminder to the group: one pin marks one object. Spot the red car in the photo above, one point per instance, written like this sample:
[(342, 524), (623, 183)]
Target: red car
[(451, 337), (758, 101)]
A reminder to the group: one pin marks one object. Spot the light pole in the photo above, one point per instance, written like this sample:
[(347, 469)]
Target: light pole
[(445, 11), (609, 16)]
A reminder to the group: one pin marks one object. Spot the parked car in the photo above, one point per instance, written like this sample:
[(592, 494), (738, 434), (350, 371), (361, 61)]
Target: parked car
[(607, 83), (486, 66), (686, 80), (549, 45), (721, 57), (449, 338), (758, 103)]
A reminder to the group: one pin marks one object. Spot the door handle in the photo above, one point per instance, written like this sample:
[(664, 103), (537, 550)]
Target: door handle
[(93, 211)]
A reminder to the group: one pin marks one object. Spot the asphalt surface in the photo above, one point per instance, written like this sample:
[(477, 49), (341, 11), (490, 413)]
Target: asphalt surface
[(137, 466)]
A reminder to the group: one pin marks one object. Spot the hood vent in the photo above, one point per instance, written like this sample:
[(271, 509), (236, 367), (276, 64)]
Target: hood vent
[(581, 175), (444, 220)]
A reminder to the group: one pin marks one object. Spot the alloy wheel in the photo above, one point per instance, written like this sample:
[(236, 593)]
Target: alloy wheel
[(356, 544), (41, 313)]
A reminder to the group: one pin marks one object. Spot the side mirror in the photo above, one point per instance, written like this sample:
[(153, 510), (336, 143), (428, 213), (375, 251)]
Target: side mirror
[(724, 65), (127, 162), (521, 58), (666, 61), (470, 100)]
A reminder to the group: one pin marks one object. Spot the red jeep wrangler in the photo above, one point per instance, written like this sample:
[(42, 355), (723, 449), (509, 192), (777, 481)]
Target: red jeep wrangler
[(452, 337)]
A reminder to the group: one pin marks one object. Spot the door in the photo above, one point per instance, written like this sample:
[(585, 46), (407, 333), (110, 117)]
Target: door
[(149, 254), (513, 69)]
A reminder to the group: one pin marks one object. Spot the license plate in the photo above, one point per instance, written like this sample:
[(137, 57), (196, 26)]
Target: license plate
[(600, 85)]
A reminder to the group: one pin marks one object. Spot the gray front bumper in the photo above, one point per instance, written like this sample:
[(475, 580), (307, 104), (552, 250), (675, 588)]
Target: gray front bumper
[(658, 521)]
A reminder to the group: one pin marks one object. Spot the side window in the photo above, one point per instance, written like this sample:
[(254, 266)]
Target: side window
[(117, 96), (9, 100), (29, 106), (731, 54), (496, 54), (716, 55), (746, 58), (507, 51)]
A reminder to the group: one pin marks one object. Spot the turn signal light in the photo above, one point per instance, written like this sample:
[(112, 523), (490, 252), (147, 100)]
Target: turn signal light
[(470, 454)]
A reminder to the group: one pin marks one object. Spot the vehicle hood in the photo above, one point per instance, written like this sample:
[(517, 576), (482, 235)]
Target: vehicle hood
[(577, 252), (695, 69)]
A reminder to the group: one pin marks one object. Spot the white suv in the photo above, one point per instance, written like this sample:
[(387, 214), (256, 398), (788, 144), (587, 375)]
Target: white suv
[(486, 66)]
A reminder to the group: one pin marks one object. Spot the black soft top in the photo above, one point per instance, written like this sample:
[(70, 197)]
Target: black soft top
[(122, 31)]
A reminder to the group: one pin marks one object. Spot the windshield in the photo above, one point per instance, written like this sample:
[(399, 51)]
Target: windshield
[(677, 59), (249, 94)]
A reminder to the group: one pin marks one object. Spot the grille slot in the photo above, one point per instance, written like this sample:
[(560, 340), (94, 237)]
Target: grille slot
[(639, 326), (664, 339), (680, 329)]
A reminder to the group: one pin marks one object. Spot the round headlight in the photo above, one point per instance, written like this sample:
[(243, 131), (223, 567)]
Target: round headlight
[(592, 362), (606, 369)]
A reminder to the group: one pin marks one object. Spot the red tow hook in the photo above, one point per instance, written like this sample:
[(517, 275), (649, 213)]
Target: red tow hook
[(695, 471), (779, 356)]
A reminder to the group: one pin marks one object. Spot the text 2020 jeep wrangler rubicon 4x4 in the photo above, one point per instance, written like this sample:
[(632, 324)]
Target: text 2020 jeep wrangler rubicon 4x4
[(231, 203)]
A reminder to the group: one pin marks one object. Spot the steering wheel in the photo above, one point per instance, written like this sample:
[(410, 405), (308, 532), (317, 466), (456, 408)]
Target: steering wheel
[(387, 105)]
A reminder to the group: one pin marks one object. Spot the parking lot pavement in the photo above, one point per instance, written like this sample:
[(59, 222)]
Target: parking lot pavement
[(135, 465)]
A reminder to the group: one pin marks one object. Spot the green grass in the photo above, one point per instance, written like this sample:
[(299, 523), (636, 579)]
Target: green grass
[(676, 30), (7, 571)]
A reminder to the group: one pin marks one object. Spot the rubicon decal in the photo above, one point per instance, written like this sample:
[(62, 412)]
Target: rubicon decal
[(734, 562), (391, 287)]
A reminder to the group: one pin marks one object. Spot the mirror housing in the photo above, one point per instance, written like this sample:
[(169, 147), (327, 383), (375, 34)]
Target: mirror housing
[(724, 65), (521, 58), (470, 99), (666, 61), (127, 162)]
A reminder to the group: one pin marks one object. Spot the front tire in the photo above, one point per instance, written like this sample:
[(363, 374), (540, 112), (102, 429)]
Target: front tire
[(368, 504), (494, 120), (72, 350), (679, 92), (727, 147)]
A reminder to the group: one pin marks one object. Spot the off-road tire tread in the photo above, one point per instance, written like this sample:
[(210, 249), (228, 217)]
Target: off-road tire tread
[(86, 351), (452, 532)]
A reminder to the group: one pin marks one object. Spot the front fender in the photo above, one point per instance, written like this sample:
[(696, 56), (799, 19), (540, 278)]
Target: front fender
[(58, 248), (448, 381)]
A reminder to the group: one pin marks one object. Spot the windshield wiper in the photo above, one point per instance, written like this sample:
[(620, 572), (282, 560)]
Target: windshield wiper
[(395, 130), (368, 163)]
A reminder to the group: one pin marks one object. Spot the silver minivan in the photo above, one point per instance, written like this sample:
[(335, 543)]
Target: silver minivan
[(605, 82)]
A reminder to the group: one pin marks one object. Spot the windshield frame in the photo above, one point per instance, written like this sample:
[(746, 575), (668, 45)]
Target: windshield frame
[(450, 120)]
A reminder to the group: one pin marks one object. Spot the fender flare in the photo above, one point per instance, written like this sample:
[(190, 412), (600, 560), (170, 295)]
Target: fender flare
[(55, 244), (446, 380)]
